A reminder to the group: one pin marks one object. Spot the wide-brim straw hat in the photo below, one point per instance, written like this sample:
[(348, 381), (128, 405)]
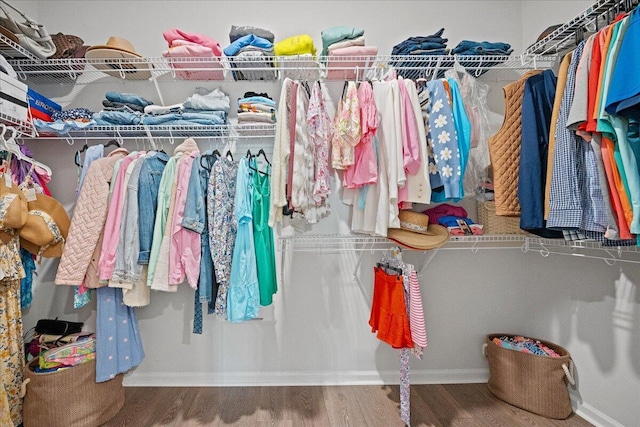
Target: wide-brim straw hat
[(120, 59), (415, 232), (47, 227)]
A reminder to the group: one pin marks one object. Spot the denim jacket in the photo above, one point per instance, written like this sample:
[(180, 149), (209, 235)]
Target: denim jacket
[(195, 217), (148, 184)]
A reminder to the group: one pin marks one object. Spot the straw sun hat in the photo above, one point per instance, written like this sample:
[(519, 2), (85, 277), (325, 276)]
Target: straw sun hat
[(120, 59), (415, 232), (46, 228)]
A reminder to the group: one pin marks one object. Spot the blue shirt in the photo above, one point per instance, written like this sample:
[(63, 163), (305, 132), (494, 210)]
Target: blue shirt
[(537, 106), (623, 97)]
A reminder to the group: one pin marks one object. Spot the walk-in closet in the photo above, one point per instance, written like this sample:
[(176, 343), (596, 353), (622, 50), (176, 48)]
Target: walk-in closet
[(332, 213)]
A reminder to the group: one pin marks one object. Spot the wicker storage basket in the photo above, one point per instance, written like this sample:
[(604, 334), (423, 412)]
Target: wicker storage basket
[(531, 382), (496, 224), (70, 397)]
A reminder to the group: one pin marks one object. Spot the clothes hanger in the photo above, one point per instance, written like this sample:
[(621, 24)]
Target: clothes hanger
[(215, 156), (14, 147), (264, 155)]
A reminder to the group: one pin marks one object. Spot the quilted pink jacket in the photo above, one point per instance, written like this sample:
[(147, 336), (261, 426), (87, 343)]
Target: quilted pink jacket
[(87, 224)]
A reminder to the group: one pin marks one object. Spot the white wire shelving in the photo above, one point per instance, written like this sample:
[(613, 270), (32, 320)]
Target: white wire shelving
[(11, 49), (589, 20), (121, 132), (86, 71), (327, 243)]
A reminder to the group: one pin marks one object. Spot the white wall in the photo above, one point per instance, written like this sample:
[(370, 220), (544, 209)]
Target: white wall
[(317, 331)]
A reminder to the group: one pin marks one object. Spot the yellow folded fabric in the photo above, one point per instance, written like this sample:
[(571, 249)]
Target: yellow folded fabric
[(296, 45)]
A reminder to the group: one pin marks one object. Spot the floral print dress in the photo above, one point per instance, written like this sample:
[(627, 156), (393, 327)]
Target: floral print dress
[(222, 226), (11, 340)]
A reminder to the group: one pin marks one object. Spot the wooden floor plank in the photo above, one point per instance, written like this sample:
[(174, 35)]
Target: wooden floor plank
[(443, 404), (377, 408), (307, 406), (203, 406), (240, 406), (432, 405), (272, 407), (342, 406)]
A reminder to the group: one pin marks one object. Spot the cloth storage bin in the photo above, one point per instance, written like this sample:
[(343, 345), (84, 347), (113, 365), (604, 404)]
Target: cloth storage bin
[(496, 224), (70, 397), (529, 381)]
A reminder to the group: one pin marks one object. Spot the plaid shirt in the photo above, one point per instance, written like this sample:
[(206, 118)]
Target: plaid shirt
[(565, 197)]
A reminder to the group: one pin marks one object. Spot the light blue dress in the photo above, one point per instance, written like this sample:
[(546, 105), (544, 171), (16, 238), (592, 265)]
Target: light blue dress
[(243, 301)]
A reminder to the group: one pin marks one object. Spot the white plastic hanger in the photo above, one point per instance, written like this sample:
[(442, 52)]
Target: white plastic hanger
[(13, 147)]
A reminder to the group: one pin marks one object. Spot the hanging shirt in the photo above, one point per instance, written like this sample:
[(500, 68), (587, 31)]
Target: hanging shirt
[(623, 96), (537, 105), (564, 197), (162, 212), (320, 130), (244, 292), (444, 139), (184, 248)]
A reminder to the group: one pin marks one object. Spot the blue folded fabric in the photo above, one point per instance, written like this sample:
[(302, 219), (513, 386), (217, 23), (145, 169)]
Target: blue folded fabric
[(468, 47), (127, 98), (61, 127), (452, 221), (257, 100), (248, 40), (110, 118)]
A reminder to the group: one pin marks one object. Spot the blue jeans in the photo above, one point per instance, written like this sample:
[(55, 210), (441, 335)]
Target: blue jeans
[(127, 98), (148, 185), (109, 118), (468, 47)]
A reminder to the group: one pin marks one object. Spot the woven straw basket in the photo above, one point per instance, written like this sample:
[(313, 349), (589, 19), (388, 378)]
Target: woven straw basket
[(71, 397), (531, 382), (496, 224)]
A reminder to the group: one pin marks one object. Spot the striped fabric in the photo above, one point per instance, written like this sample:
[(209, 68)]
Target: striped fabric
[(416, 312)]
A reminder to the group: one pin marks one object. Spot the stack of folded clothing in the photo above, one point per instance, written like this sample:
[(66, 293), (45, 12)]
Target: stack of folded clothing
[(251, 47), (432, 45), (499, 50), (455, 218), (121, 109), (189, 45), (468, 47), (297, 58), (204, 108), (256, 108), (65, 121), (346, 52)]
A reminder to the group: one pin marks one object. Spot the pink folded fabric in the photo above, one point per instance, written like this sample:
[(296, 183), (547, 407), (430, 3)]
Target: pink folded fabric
[(175, 34), (211, 70), (340, 68)]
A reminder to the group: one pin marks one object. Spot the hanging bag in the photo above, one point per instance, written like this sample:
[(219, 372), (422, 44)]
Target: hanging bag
[(31, 35)]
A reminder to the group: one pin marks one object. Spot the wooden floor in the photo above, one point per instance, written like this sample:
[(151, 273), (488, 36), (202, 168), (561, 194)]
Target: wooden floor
[(452, 405)]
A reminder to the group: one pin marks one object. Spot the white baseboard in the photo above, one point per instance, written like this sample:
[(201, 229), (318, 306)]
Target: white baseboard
[(594, 416), (208, 379)]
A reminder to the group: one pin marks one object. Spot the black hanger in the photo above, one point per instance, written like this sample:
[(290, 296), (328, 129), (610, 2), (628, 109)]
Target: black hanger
[(80, 151), (249, 155), (215, 156), (229, 155), (264, 155), (113, 143)]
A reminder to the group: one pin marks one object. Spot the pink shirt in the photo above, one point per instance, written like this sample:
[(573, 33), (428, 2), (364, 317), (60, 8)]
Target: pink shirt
[(410, 140), (184, 247), (365, 169), (107, 261)]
